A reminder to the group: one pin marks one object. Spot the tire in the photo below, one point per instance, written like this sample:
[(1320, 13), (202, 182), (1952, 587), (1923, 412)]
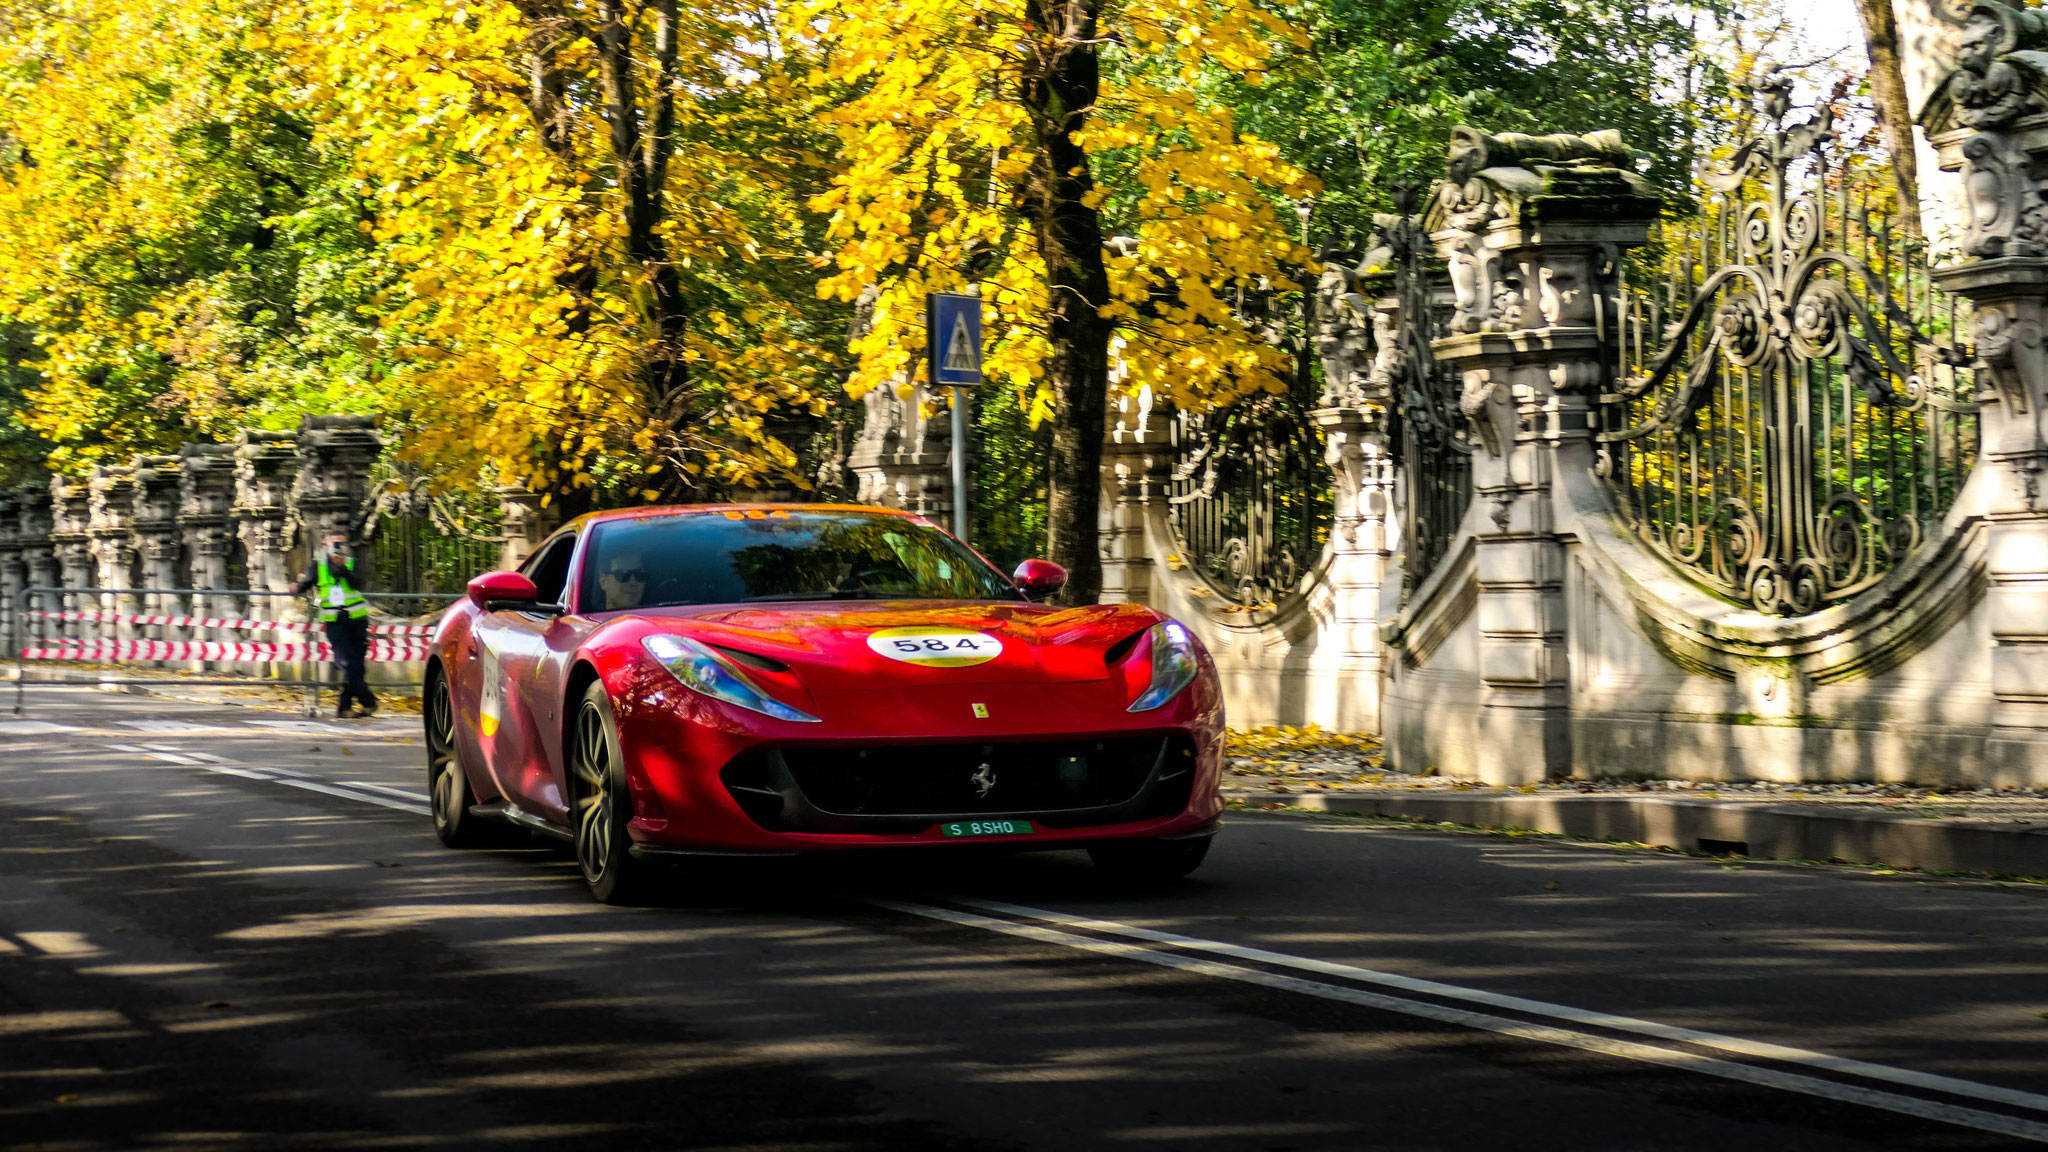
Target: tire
[(1148, 863), (448, 790), (600, 806)]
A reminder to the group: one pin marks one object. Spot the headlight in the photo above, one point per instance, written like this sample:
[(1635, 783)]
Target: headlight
[(706, 672), (1173, 666)]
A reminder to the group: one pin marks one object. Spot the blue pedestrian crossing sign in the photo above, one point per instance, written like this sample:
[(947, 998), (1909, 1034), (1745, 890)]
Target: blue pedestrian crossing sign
[(953, 337)]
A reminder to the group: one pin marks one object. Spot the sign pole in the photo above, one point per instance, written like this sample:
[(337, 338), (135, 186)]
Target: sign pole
[(960, 517), (953, 361)]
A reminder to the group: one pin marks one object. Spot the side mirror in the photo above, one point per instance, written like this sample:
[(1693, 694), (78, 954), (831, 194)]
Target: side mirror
[(1039, 580), (494, 590)]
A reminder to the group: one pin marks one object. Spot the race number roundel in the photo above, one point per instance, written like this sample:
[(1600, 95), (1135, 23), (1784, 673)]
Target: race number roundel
[(936, 646)]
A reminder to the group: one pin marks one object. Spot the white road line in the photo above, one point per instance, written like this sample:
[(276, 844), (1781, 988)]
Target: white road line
[(1541, 1033), (347, 791), (416, 797), (1626, 1049), (32, 728), (1731, 1044)]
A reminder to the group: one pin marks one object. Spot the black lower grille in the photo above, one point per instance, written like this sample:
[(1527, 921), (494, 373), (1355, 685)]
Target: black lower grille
[(906, 788)]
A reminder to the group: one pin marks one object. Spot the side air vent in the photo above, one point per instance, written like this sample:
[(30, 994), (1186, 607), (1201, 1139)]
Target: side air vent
[(1115, 653), (753, 659)]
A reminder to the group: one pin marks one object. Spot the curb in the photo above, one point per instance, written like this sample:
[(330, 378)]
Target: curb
[(164, 691), (1760, 831)]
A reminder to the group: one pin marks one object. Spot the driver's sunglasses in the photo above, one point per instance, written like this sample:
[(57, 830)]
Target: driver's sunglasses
[(622, 575)]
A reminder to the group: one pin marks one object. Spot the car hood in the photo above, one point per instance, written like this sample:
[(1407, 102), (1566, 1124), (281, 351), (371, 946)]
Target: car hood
[(869, 644)]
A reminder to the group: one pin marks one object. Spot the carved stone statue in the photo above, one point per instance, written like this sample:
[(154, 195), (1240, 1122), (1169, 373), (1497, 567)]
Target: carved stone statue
[(2000, 77), (1494, 182)]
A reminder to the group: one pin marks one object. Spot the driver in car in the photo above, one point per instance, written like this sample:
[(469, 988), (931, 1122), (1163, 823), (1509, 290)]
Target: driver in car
[(623, 580)]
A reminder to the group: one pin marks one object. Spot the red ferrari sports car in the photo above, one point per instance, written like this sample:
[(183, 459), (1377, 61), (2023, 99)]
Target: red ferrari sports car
[(777, 679)]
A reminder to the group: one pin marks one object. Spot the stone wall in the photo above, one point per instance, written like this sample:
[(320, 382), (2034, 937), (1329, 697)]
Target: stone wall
[(205, 524)]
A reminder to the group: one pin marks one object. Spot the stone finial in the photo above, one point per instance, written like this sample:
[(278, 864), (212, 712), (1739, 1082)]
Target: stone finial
[(158, 535), (332, 493), (1514, 192), (266, 464)]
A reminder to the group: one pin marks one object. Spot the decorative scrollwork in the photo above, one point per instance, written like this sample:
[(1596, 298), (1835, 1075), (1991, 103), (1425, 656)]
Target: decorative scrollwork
[(1249, 496), (1789, 434), (423, 540), (1434, 438)]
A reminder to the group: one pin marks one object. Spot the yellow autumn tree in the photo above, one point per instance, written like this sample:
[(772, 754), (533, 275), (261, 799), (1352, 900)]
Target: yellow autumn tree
[(598, 213), (172, 261), (1002, 143)]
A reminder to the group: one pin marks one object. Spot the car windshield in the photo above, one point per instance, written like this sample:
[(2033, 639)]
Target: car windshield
[(778, 554)]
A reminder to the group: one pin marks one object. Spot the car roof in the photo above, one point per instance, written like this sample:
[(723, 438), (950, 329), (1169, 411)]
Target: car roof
[(663, 510)]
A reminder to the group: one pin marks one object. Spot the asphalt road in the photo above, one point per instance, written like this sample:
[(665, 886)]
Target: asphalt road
[(219, 930)]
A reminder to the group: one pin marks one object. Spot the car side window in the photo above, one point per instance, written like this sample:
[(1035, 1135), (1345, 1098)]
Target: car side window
[(549, 569)]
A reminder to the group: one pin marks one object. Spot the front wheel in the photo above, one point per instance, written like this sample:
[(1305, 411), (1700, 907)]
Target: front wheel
[(1148, 862), (603, 808), (448, 789)]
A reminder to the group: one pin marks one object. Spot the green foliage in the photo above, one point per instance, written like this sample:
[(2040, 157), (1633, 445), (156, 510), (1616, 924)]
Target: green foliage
[(1374, 97)]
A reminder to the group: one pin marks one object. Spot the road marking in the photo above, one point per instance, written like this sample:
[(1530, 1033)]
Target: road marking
[(1540, 1033), (304, 726), (32, 727), (1735, 1045), (170, 726), (383, 797)]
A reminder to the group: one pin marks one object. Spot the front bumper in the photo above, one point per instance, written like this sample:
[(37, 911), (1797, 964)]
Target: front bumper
[(893, 768)]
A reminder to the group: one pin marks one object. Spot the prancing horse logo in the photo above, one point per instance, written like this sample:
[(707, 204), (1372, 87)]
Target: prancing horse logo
[(985, 779)]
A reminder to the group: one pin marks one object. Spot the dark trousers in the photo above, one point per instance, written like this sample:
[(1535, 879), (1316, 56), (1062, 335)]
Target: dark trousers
[(350, 639)]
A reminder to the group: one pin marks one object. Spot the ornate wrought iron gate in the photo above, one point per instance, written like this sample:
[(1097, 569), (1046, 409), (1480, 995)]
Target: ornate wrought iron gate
[(1792, 413), (1249, 495), (421, 541), (1433, 440)]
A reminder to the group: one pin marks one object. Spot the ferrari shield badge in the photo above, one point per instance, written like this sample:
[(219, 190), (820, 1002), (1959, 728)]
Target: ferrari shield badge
[(936, 646)]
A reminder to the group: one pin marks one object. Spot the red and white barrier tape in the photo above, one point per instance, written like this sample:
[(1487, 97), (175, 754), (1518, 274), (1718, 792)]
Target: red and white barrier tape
[(211, 622), (380, 653)]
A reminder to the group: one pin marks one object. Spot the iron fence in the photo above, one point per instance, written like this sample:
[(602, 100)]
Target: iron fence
[(1792, 413)]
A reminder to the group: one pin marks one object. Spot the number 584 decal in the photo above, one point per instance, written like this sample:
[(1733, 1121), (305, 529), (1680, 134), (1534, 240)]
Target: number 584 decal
[(936, 646)]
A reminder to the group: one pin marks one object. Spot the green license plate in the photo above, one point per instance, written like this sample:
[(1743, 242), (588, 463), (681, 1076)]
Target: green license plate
[(987, 828)]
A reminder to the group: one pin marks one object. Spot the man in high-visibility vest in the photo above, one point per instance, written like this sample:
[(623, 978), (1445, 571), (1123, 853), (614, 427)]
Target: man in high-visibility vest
[(338, 591)]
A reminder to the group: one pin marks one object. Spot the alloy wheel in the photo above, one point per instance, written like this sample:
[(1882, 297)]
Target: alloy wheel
[(445, 775), (593, 793)]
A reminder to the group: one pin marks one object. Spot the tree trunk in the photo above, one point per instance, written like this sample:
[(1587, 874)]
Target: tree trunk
[(1894, 111), (1059, 90)]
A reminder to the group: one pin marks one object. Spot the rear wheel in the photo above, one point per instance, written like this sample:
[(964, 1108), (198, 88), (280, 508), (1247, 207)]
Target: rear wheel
[(448, 788), (602, 807), (1148, 862)]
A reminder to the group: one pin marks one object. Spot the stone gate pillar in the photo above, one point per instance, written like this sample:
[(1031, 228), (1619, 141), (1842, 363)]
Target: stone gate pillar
[(159, 539), (333, 486), (1137, 468), (1533, 229), (111, 504), (523, 524), (1981, 121), (266, 464), (38, 553), (70, 520), (206, 493), (903, 456), (12, 579)]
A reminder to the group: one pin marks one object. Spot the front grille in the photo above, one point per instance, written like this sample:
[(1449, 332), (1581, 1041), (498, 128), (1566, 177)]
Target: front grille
[(892, 789)]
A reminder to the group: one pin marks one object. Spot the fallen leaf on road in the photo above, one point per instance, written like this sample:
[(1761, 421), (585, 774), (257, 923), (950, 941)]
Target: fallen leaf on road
[(216, 1004), (1552, 886)]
